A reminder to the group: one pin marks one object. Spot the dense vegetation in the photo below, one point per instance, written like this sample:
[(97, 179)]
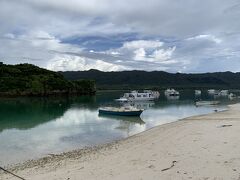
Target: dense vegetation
[(27, 79), (156, 79)]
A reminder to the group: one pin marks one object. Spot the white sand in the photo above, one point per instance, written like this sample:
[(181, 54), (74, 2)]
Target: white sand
[(201, 148)]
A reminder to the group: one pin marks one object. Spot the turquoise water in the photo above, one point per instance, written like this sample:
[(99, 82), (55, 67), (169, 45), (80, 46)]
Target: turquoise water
[(34, 127)]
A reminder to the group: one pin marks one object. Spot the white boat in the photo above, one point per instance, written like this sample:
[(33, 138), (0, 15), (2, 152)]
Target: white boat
[(156, 94), (146, 95), (232, 96), (171, 93), (213, 92), (206, 103), (224, 93), (198, 92)]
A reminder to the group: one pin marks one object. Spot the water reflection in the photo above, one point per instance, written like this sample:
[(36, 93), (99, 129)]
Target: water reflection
[(76, 128), (139, 104), (172, 98), (33, 127), (25, 113)]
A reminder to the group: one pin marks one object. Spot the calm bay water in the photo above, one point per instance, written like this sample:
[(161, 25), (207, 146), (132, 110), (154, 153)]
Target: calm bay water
[(34, 127)]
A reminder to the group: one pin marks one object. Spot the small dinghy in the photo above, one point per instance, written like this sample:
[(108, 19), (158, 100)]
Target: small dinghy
[(122, 111), (206, 103)]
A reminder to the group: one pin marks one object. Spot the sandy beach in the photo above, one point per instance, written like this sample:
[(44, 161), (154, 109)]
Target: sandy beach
[(200, 147)]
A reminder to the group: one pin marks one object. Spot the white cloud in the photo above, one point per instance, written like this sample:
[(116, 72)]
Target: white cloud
[(44, 40), (146, 50), (206, 37), (162, 54), (35, 47), (155, 17), (34, 33), (76, 63), (9, 35), (149, 44), (140, 54)]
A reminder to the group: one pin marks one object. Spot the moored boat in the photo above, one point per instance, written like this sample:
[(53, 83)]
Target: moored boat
[(198, 92), (122, 111), (213, 92), (171, 92), (232, 96), (224, 93), (146, 95)]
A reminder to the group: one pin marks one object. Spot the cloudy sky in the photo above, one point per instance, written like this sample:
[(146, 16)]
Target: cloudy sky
[(114, 35)]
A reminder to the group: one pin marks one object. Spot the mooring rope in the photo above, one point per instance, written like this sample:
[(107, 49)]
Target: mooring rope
[(11, 173)]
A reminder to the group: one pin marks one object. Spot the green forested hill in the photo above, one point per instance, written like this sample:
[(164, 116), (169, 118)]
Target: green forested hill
[(156, 79), (27, 79)]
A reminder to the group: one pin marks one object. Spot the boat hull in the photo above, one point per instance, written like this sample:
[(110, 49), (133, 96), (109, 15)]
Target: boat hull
[(121, 113)]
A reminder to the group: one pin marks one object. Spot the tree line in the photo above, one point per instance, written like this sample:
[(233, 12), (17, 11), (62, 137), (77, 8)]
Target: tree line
[(156, 79), (30, 80)]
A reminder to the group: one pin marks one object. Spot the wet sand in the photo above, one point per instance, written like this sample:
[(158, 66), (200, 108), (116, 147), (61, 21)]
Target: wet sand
[(200, 147)]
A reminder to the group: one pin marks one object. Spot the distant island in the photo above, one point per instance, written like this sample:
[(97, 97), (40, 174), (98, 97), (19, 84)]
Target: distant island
[(30, 80), (156, 79)]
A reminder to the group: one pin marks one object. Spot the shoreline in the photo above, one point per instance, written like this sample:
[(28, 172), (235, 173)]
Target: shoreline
[(89, 149), (55, 163)]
